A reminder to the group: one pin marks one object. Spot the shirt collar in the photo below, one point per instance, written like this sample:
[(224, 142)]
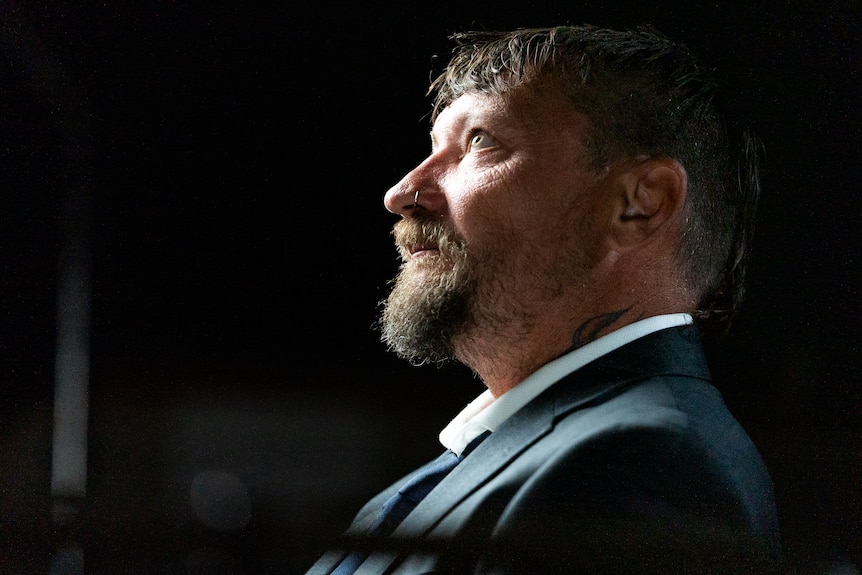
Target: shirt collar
[(486, 413)]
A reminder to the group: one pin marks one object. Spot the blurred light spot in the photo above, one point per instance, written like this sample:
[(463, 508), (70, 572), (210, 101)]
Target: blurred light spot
[(220, 500)]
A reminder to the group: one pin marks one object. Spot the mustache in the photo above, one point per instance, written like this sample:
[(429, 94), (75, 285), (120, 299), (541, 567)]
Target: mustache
[(420, 233)]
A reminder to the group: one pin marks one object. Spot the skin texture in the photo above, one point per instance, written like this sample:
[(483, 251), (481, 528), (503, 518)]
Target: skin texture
[(550, 253)]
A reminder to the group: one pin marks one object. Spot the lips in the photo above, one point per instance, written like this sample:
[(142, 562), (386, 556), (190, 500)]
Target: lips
[(418, 249), (420, 238)]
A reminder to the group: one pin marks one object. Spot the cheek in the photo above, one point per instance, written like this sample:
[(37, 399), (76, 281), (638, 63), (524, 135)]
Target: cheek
[(590, 221), (479, 203), (517, 204)]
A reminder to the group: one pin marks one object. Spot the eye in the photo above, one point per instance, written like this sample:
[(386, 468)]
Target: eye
[(480, 140)]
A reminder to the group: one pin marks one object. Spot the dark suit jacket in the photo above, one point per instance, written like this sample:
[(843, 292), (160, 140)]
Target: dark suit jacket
[(631, 464)]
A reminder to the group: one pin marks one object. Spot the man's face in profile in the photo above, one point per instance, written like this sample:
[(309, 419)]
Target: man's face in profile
[(503, 223)]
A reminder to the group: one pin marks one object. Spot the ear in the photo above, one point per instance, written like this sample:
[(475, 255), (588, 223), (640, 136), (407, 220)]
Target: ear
[(651, 198)]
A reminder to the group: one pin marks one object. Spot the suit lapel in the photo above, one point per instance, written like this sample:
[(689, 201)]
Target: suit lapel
[(489, 457), (670, 351), (532, 422)]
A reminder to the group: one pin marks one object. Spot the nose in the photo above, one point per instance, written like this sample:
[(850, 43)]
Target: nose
[(401, 198), (415, 192)]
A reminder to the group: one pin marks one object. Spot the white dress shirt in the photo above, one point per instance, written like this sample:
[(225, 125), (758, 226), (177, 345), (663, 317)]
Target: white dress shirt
[(486, 413)]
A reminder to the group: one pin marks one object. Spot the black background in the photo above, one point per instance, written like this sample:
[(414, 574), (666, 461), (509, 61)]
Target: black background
[(236, 155)]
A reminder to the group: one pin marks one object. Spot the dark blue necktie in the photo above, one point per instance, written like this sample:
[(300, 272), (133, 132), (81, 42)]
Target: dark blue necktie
[(411, 493), (406, 499)]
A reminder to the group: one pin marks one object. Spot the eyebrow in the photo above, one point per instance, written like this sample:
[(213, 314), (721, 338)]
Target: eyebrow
[(501, 117)]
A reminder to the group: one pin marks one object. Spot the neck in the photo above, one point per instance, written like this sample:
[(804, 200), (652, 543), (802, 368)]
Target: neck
[(502, 358)]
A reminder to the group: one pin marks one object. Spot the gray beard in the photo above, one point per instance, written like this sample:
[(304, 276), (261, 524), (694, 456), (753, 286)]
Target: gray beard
[(429, 304)]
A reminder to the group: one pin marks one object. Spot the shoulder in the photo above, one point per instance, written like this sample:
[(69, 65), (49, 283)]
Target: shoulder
[(661, 459), (669, 438)]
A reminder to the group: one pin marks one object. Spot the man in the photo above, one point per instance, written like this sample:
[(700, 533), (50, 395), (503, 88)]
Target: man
[(581, 216)]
